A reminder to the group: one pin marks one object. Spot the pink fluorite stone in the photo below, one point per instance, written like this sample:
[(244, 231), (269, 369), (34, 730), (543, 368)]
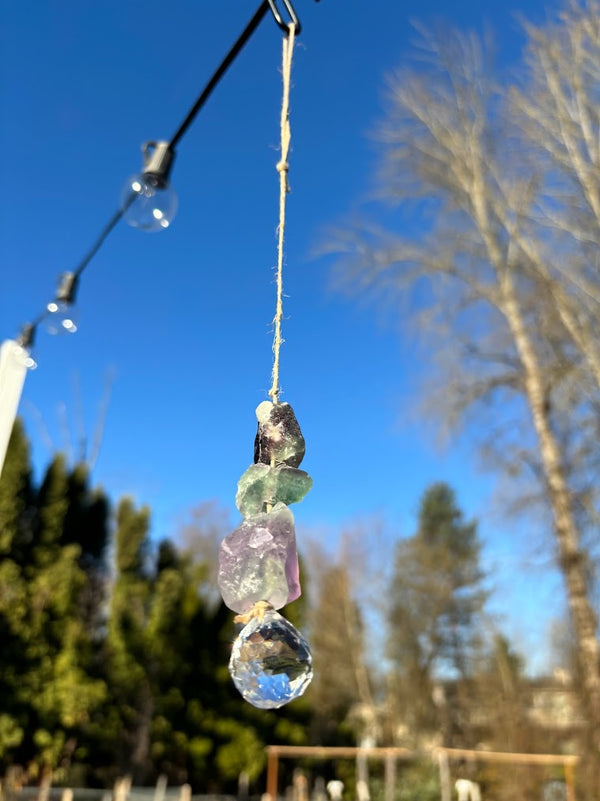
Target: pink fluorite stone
[(259, 561)]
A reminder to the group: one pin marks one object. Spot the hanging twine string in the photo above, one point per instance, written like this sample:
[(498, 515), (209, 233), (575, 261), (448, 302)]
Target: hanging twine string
[(282, 169)]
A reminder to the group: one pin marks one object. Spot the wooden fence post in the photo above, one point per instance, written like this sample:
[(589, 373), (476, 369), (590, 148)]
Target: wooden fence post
[(390, 776), (570, 781), (445, 788), (272, 770)]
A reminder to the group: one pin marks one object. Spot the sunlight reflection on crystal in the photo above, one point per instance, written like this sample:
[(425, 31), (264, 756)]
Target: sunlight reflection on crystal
[(270, 662)]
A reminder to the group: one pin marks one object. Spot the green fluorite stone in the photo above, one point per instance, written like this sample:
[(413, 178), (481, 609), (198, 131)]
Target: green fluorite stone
[(262, 484)]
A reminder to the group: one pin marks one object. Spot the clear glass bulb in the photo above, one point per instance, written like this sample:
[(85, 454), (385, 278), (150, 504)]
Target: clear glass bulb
[(148, 204), (25, 357), (62, 318)]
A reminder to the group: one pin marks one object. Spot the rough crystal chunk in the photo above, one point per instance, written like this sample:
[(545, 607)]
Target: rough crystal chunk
[(279, 439), (259, 561), (263, 485), (270, 662)]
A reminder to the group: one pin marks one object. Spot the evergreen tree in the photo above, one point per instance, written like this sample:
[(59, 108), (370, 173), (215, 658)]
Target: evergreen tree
[(132, 708), (15, 533), (16, 495), (436, 596), (57, 686), (101, 679), (166, 655), (86, 519), (48, 689)]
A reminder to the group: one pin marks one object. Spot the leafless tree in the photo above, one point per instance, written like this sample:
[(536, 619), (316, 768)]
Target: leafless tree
[(501, 186), (341, 682), (199, 537)]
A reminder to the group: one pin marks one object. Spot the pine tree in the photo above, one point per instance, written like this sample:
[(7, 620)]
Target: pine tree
[(57, 687), (15, 494), (131, 716), (47, 684), (436, 596), (15, 534), (163, 655), (101, 678)]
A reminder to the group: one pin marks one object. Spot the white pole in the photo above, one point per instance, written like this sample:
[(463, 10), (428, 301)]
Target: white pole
[(161, 788), (14, 360)]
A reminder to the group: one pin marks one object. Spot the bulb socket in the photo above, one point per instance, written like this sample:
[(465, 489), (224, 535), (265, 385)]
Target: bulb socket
[(158, 160), (26, 335), (67, 288)]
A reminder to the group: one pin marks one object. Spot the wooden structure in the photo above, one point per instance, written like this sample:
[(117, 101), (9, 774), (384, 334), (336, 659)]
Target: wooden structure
[(567, 761), (391, 755), (388, 755)]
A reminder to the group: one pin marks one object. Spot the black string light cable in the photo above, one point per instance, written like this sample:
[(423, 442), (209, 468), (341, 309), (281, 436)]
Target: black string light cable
[(148, 201)]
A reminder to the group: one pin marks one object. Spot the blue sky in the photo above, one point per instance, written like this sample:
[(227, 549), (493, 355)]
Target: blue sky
[(181, 319)]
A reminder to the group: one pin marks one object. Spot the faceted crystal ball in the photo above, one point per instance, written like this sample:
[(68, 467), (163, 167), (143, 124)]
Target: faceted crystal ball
[(261, 485), (270, 662), (279, 439), (259, 561)]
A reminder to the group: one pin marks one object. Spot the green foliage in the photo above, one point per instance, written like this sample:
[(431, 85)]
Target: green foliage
[(52, 506), (15, 493), (121, 668), (11, 734), (437, 596), (242, 750), (438, 581), (47, 680), (172, 703), (131, 542), (418, 780)]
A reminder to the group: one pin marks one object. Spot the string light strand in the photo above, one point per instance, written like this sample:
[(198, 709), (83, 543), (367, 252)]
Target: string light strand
[(27, 331)]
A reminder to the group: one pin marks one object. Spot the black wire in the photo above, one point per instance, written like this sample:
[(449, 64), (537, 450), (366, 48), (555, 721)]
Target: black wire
[(100, 240), (206, 93), (85, 261), (221, 70)]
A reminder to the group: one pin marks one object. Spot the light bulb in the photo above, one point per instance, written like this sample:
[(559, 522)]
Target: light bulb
[(25, 357), (62, 318), (148, 203)]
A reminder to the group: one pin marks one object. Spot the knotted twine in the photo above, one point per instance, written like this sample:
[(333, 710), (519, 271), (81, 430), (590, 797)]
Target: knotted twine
[(261, 607), (282, 169), (259, 610)]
